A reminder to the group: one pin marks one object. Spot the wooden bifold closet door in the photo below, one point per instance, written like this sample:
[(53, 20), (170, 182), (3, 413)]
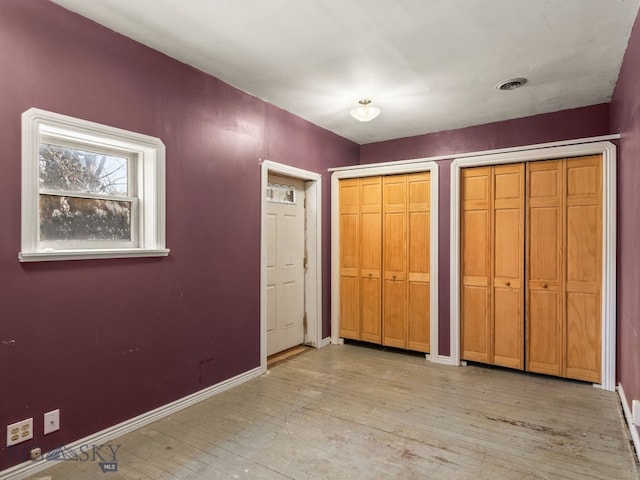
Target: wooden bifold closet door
[(492, 265), (564, 265), (406, 261), (543, 221), (360, 258), (384, 260)]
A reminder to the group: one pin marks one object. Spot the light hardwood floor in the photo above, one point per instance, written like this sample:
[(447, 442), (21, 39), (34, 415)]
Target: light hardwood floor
[(351, 412)]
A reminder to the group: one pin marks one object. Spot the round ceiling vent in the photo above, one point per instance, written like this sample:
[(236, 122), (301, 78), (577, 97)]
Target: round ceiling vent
[(511, 84)]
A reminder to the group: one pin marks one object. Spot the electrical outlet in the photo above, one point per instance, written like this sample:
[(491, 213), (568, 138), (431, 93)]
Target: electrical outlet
[(636, 412), (51, 421), (19, 432)]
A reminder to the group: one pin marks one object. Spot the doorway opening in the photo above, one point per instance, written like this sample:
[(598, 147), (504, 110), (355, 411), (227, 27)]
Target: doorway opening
[(279, 197)]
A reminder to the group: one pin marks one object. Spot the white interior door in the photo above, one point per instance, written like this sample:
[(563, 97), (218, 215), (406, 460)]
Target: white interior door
[(285, 263)]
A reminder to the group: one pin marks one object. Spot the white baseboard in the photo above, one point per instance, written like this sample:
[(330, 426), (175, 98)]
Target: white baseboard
[(324, 342), (29, 468), (626, 407), (441, 359)]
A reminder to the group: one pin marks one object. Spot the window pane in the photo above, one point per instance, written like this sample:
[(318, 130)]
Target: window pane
[(69, 218), (71, 169)]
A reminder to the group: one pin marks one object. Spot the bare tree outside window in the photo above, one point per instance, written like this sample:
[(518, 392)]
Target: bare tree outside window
[(66, 175)]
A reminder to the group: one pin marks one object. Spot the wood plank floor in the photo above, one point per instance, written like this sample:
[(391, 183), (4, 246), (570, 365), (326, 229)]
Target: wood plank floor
[(351, 412)]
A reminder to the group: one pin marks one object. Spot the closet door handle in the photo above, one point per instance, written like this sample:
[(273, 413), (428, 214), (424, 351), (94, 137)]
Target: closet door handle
[(544, 285), (394, 277), (369, 275), (507, 283)]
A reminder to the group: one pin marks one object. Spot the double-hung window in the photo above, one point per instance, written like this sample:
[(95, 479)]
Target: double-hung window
[(89, 190)]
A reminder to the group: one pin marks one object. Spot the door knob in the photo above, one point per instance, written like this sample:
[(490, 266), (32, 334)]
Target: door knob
[(394, 277), (507, 283), (544, 285)]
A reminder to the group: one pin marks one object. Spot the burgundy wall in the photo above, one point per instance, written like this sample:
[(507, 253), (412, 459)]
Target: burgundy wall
[(108, 340), (625, 119), (550, 127)]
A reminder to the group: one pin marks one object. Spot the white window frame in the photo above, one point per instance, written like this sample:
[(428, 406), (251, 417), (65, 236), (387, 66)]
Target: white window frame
[(148, 219)]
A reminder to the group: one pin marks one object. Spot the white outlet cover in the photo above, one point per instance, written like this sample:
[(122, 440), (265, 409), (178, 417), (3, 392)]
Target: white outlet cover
[(51, 421), (19, 432)]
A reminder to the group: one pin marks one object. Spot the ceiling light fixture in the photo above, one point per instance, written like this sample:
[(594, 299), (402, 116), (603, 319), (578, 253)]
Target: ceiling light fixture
[(511, 84), (365, 112)]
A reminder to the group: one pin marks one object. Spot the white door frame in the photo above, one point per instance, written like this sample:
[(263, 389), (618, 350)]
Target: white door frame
[(313, 246), (390, 168), (609, 195)]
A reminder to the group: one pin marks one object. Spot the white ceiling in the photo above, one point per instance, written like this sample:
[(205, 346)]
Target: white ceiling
[(430, 65)]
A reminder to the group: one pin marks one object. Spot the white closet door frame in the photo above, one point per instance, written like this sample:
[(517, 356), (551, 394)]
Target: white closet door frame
[(609, 196)]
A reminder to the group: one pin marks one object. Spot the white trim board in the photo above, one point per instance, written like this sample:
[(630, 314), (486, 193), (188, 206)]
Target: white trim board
[(441, 359), (633, 430), (602, 138), (26, 469), (608, 152), (391, 168), (313, 235)]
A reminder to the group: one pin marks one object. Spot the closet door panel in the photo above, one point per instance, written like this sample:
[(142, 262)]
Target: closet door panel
[(418, 282), (371, 260), (544, 306), (545, 247), (349, 244), (508, 328), (476, 244), (584, 180), (476, 267), (544, 264), (418, 334), (371, 314), (394, 314), (583, 313), (419, 245), (419, 191), (476, 184), (583, 268), (371, 227), (395, 193), (349, 198), (508, 244), (371, 244), (476, 289), (418, 261), (583, 337), (508, 265), (476, 327), (583, 243), (544, 329), (371, 194), (394, 247), (349, 308)]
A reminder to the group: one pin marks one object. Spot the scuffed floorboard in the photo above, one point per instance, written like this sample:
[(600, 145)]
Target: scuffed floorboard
[(351, 412)]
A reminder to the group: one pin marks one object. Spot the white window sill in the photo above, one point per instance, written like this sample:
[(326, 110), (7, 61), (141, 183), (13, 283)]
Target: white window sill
[(53, 255)]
